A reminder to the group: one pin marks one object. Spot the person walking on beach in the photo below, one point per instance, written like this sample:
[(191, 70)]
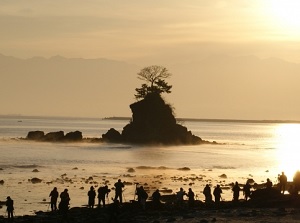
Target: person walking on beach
[(207, 194), (102, 191), (191, 196), (119, 190), (282, 182), (246, 190), (217, 193), (91, 194), (53, 201), (10, 208), (236, 192)]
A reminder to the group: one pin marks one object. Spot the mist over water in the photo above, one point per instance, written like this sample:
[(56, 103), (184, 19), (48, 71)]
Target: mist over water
[(246, 150)]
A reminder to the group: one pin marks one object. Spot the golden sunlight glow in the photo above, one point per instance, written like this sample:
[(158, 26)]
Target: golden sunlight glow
[(288, 148), (285, 15)]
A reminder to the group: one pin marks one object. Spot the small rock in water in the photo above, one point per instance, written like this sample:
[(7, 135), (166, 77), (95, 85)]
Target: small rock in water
[(184, 168), (44, 199), (75, 168), (1, 182), (81, 188), (223, 176), (130, 170), (35, 180), (35, 170)]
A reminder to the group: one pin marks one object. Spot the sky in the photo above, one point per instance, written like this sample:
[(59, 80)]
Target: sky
[(140, 31), (164, 32)]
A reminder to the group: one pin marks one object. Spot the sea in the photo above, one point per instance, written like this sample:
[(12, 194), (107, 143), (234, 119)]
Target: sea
[(243, 150)]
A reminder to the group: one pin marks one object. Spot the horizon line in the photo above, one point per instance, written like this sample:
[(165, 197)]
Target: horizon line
[(20, 116)]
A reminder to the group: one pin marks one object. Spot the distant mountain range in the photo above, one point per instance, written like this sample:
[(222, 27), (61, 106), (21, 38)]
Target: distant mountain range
[(217, 87)]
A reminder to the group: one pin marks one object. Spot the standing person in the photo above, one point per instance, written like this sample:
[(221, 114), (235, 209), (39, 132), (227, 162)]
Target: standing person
[(180, 195), (191, 196), (156, 198), (102, 191), (64, 201), (246, 190), (119, 190), (10, 208), (217, 193), (282, 182), (142, 196), (207, 194), (53, 201), (236, 192), (91, 194), (64, 205)]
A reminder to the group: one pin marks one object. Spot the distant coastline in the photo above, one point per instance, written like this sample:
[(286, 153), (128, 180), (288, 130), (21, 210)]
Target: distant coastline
[(121, 118), (213, 120)]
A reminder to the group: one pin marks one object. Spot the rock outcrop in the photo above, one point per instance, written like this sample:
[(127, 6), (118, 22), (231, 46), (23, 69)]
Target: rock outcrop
[(35, 135), (73, 136), (58, 136), (54, 136), (153, 122), (112, 135)]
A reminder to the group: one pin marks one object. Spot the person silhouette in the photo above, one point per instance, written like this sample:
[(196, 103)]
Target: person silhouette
[(64, 204), (102, 191), (236, 192), (180, 194), (53, 201), (191, 196), (156, 198), (119, 190), (246, 190), (142, 196), (217, 193), (207, 194), (91, 194), (269, 184), (282, 182), (10, 208)]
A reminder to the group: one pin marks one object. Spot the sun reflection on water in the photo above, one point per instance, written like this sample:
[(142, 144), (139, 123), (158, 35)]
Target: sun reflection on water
[(288, 144)]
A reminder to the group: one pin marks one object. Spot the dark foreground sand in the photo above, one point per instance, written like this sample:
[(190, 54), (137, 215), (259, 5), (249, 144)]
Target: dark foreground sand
[(287, 209)]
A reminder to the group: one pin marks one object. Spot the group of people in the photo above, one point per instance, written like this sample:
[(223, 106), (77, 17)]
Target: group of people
[(64, 202), (142, 195)]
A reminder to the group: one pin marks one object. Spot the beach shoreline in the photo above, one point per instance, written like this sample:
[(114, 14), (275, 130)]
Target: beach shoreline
[(170, 212)]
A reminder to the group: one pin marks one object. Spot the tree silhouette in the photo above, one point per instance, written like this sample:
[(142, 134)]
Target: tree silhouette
[(155, 83)]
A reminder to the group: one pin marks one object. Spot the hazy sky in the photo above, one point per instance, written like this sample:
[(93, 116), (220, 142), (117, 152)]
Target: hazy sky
[(173, 33), (142, 31)]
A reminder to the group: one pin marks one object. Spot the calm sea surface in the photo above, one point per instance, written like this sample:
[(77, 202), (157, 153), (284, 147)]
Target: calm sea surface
[(245, 150)]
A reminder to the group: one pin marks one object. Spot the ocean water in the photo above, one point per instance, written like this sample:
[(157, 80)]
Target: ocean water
[(244, 150)]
